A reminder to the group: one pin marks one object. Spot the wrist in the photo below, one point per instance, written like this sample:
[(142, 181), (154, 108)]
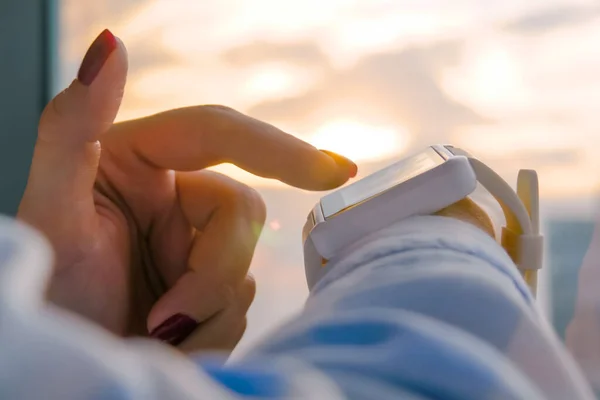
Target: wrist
[(467, 210)]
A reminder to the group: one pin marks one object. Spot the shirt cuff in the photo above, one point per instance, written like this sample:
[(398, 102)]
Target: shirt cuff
[(422, 234)]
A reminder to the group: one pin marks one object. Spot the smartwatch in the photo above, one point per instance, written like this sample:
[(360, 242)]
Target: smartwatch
[(423, 184)]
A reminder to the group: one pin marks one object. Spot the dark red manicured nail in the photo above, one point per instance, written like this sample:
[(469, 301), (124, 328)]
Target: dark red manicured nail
[(175, 329), (96, 56), (343, 162)]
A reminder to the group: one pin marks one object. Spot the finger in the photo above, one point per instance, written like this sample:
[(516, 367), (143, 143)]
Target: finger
[(197, 137), (66, 153), (228, 227), (224, 330)]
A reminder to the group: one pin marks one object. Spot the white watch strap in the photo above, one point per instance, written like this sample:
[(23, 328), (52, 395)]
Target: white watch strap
[(521, 236), (528, 192)]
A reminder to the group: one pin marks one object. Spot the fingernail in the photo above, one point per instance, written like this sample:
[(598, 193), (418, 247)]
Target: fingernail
[(175, 329), (343, 162), (96, 56)]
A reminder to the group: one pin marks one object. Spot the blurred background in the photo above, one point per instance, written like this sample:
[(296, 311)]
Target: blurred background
[(514, 82)]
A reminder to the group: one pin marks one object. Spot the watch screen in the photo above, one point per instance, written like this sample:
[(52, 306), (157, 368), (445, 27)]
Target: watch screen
[(380, 181)]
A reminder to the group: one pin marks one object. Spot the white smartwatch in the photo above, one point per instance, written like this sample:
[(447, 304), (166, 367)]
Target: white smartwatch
[(422, 184)]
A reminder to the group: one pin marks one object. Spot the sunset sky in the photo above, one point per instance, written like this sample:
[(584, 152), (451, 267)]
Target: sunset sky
[(514, 82)]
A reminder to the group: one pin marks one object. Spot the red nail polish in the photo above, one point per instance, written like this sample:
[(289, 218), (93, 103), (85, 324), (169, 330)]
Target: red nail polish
[(353, 170), (175, 329), (96, 56), (343, 162)]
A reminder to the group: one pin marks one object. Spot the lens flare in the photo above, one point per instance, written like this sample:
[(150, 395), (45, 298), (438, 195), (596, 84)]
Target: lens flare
[(275, 225)]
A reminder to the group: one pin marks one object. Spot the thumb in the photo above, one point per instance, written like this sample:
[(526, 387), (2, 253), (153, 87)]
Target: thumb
[(67, 152)]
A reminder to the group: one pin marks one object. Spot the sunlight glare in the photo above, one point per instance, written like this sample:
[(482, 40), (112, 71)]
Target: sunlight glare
[(272, 81), (360, 142), (490, 78)]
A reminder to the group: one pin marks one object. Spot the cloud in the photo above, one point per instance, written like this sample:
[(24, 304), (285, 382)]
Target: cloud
[(301, 53), (146, 54), (397, 88), (553, 18), (540, 158)]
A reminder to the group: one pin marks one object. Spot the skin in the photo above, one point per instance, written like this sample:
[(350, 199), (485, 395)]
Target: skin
[(141, 231), (468, 211)]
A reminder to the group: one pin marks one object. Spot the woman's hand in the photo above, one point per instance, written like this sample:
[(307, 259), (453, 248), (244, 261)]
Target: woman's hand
[(145, 239)]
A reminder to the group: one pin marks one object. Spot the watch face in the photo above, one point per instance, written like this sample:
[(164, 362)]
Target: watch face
[(380, 181)]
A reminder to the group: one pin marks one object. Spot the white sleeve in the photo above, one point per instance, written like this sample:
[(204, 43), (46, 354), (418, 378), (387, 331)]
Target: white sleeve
[(48, 353)]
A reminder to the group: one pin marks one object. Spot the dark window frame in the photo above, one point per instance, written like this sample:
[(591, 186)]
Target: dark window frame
[(27, 68)]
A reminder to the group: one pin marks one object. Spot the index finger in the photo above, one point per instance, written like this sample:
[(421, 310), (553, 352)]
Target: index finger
[(194, 138)]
